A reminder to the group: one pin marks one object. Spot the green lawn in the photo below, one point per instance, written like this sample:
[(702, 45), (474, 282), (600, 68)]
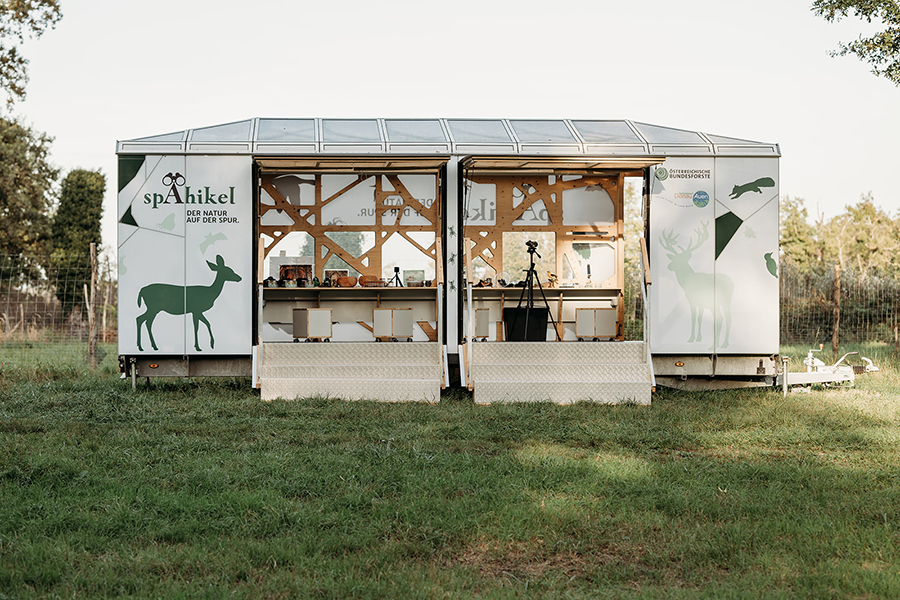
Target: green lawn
[(198, 489)]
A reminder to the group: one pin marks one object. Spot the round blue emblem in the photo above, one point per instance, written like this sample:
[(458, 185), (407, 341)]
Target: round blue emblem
[(701, 199)]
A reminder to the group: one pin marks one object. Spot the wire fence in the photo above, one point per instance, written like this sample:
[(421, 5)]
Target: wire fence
[(45, 301), (46, 311), (829, 304)]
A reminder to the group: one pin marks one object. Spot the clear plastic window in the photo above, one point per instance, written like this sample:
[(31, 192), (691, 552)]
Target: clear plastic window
[(516, 258), (231, 132), (347, 130), (542, 131), (414, 131), (478, 131), (294, 130), (606, 132)]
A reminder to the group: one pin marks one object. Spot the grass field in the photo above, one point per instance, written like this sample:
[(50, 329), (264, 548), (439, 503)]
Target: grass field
[(198, 489)]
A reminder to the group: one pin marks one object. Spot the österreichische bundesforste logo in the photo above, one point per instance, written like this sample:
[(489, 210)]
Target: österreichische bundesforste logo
[(662, 173), (701, 199)]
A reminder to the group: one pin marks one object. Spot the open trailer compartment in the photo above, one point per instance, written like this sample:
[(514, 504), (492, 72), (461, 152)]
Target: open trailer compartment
[(567, 217), (357, 245), (364, 258)]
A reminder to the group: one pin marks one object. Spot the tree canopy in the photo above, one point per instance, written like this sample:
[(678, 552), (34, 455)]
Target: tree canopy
[(882, 50), (76, 226), (77, 222), (20, 19), (864, 238), (26, 181), (798, 237)]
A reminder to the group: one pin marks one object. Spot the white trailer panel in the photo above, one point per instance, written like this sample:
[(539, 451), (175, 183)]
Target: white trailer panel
[(185, 255), (714, 255)]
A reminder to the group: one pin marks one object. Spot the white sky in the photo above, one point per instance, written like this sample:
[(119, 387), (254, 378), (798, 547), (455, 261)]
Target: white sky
[(121, 69)]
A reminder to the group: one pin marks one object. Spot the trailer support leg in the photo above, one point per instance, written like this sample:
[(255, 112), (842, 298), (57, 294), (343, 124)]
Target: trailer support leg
[(784, 378)]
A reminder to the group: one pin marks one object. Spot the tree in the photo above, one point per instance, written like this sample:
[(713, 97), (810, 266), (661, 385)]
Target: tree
[(18, 19), (75, 227), (881, 50), (26, 182), (864, 237), (799, 244), (77, 222), (634, 228), (351, 241)]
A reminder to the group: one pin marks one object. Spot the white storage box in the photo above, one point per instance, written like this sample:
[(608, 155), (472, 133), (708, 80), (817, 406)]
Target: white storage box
[(312, 323), (393, 323), (482, 322), (595, 322)]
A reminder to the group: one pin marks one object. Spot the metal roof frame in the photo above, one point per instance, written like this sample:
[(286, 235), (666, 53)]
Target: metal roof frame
[(261, 137)]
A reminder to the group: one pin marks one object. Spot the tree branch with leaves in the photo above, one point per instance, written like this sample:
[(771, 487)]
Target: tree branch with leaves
[(882, 50), (20, 19)]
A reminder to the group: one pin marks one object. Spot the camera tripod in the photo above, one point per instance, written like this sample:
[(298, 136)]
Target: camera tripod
[(395, 280), (527, 297)]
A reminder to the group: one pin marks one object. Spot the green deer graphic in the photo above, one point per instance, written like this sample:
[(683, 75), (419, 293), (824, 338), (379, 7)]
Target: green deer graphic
[(180, 300), (704, 291)]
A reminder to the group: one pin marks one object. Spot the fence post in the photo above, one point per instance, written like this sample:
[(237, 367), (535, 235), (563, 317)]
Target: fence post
[(837, 310), (92, 310), (108, 287)]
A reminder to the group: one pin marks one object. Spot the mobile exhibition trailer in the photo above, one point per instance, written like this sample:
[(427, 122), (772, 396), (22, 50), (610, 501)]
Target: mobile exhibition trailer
[(237, 242)]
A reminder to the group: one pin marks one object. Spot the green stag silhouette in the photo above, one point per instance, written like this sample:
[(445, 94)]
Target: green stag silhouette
[(704, 291), (180, 300)]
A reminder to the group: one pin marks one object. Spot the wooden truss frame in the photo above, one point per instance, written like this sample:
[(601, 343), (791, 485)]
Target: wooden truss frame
[(486, 241), (308, 218)]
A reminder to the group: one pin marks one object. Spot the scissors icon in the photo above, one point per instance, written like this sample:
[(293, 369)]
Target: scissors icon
[(170, 179)]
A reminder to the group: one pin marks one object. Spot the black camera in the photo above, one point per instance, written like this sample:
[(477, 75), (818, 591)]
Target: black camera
[(531, 245)]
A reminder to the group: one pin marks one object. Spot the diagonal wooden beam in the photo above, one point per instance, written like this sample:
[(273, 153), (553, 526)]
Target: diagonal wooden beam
[(360, 179), (281, 203)]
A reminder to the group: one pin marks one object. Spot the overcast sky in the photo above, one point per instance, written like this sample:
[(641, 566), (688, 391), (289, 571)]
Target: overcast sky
[(121, 69)]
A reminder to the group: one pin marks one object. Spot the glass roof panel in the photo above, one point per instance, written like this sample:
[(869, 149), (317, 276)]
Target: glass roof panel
[(230, 132), (718, 139), (350, 130), (294, 130), (166, 137), (462, 131), (405, 130), (542, 131), (606, 132), (478, 131), (666, 135)]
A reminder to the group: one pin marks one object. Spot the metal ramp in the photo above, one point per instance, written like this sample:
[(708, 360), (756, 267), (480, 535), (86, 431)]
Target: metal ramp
[(562, 372), (403, 371)]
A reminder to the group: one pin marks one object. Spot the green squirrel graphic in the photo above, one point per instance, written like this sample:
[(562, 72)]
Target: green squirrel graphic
[(753, 186)]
